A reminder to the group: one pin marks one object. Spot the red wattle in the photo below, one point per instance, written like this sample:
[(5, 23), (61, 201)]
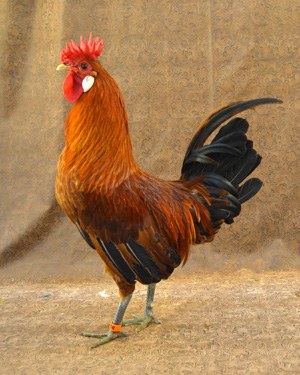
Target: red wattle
[(72, 87)]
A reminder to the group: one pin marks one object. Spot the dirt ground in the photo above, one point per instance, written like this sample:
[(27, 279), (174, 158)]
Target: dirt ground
[(238, 323)]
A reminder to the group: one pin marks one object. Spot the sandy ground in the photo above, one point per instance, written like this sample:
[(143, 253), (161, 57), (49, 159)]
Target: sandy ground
[(241, 323)]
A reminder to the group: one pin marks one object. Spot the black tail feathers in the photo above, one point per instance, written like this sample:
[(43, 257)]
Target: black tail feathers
[(226, 162)]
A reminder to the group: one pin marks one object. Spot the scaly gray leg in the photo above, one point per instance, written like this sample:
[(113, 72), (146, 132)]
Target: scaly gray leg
[(114, 328), (144, 321)]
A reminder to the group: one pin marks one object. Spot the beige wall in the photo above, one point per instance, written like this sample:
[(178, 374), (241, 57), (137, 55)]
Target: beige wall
[(174, 61)]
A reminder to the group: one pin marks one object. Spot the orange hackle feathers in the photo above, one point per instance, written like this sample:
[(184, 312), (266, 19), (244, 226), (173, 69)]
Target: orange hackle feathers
[(90, 49), (98, 146)]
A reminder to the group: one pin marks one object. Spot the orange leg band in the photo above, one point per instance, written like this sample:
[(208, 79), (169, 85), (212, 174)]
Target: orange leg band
[(115, 327)]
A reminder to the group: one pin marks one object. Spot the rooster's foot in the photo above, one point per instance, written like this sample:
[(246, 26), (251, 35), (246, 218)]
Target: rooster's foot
[(142, 322), (105, 337)]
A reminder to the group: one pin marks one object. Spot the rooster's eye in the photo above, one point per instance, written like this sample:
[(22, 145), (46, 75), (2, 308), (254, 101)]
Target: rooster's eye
[(84, 66)]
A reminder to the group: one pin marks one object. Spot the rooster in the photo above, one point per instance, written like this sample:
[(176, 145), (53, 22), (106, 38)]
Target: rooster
[(141, 226)]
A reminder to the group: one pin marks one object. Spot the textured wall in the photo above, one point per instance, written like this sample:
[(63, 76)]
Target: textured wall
[(174, 61)]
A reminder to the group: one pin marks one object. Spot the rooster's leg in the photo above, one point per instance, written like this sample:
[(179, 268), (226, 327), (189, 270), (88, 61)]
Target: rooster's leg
[(115, 327), (144, 321)]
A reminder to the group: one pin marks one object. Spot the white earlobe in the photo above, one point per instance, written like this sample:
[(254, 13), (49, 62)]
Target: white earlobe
[(87, 83)]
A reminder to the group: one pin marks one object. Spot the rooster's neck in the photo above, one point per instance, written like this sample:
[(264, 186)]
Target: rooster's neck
[(98, 147)]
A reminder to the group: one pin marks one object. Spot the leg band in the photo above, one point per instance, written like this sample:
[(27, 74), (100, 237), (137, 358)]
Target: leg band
[(116, 328)]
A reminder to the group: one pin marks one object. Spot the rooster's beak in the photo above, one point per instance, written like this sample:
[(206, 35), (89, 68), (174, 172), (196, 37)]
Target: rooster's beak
[(63, 67)]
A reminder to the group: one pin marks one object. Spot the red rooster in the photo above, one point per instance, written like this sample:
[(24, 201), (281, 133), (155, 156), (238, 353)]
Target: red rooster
[(141, 226)]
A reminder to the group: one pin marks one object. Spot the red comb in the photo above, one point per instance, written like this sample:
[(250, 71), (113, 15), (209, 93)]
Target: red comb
[(89, 49)]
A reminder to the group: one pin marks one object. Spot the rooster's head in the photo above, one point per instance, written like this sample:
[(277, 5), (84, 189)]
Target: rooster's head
[(79, 60)]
